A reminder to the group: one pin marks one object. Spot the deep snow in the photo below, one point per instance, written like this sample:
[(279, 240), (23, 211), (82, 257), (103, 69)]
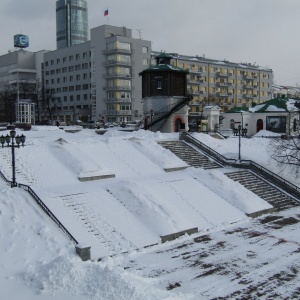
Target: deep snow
[(117, 215)]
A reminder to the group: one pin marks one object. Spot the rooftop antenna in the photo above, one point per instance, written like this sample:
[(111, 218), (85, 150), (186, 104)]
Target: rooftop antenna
[(140, 33)]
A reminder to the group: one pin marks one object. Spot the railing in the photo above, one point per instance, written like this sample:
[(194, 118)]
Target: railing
[(165, 112), (248, 164), (43, 206)]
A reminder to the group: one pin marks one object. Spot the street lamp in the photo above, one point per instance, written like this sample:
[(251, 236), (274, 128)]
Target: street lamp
[(13, 139), (239, 129)]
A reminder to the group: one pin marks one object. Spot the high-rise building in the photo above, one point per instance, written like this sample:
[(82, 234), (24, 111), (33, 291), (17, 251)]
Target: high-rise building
[(71, 22), (98, 79)]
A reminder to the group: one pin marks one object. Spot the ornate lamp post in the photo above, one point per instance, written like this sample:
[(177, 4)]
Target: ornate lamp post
[(239, 129), (13, 141)]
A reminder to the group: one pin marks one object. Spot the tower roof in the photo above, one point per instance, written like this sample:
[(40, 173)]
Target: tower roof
[(163, 64)]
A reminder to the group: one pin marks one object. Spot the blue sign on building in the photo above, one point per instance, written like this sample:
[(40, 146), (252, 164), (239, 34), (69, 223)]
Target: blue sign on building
[(21, 41)]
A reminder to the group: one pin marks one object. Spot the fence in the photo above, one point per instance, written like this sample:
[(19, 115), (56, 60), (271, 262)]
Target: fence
[(248, 164), (43, 206)]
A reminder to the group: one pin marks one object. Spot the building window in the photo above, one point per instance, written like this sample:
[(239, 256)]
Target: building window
[(145, 61), (58, 71), (71, 78), (85, 96), (77, 56), (71, 88), (71, 68), (64, 59), (58, 61), (52, 62), (78, 77), (159, 84), (144, 49), (78, 97), (85, 54), (70, 57), (78, 87)]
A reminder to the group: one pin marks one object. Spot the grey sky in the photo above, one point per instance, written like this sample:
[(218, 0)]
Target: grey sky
[(264, 32)]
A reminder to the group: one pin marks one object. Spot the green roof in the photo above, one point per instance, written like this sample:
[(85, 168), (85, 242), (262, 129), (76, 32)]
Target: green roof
[(273, 105), (276, 104), (236, 109), (163, 67)]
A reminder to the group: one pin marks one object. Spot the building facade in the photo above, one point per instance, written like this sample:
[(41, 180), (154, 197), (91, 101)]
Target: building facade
[(71, 22), (21, 72), (223, 83), (98, 79)]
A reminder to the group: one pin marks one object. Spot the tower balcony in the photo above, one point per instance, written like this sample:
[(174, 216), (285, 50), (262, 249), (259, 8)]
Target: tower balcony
[(118, 112), (117, 100), (117, 75), (117, 88), (114, 62), (117, 50)]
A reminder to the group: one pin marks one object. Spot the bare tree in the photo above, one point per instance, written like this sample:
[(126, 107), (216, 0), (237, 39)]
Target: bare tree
[(286, 152), (8, 97)]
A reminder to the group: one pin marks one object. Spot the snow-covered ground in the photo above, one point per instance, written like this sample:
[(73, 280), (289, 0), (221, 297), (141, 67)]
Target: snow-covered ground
[(119, 216)]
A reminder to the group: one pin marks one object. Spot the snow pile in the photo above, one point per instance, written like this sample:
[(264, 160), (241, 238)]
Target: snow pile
[(92, 280)]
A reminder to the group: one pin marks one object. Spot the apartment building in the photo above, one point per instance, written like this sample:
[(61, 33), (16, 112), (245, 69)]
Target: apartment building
[(99, 79), (223, 83)]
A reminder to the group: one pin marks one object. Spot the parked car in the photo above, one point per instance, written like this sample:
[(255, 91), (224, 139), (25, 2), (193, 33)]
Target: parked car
[(78, 123), (44, 122), (90, 124), (99, 124), (58, 123)]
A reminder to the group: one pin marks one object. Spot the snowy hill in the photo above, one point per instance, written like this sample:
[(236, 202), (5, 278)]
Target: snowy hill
[(126, 212)]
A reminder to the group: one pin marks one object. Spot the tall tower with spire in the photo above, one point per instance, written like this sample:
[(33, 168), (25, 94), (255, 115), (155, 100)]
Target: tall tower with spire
[(71, 22)]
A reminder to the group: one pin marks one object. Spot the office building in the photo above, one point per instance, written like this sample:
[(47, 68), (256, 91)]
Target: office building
[(98, 79), (22, 71), (71, 22)]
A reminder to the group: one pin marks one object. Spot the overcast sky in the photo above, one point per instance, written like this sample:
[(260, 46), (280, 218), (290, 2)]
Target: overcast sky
[(265, 32)]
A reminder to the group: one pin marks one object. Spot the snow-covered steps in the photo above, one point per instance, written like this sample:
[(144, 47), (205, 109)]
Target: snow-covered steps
[(268, 192), (189, 155)]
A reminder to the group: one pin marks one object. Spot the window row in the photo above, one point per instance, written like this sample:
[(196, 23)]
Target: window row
[(64, 59), (78, 97), (78, 67), (70, 79)]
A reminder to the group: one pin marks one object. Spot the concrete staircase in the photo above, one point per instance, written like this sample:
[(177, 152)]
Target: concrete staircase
[(279, 199), (271, 194), (189, 155)]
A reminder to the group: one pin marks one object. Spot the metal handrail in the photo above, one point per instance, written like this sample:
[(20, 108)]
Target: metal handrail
[(43, 206), (245, 163)]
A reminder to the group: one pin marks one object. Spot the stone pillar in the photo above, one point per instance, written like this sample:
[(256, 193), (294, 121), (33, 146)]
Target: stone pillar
[(84, 251)]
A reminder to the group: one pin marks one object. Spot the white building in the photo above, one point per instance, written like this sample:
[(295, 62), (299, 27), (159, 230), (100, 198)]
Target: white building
[(99, 79)]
